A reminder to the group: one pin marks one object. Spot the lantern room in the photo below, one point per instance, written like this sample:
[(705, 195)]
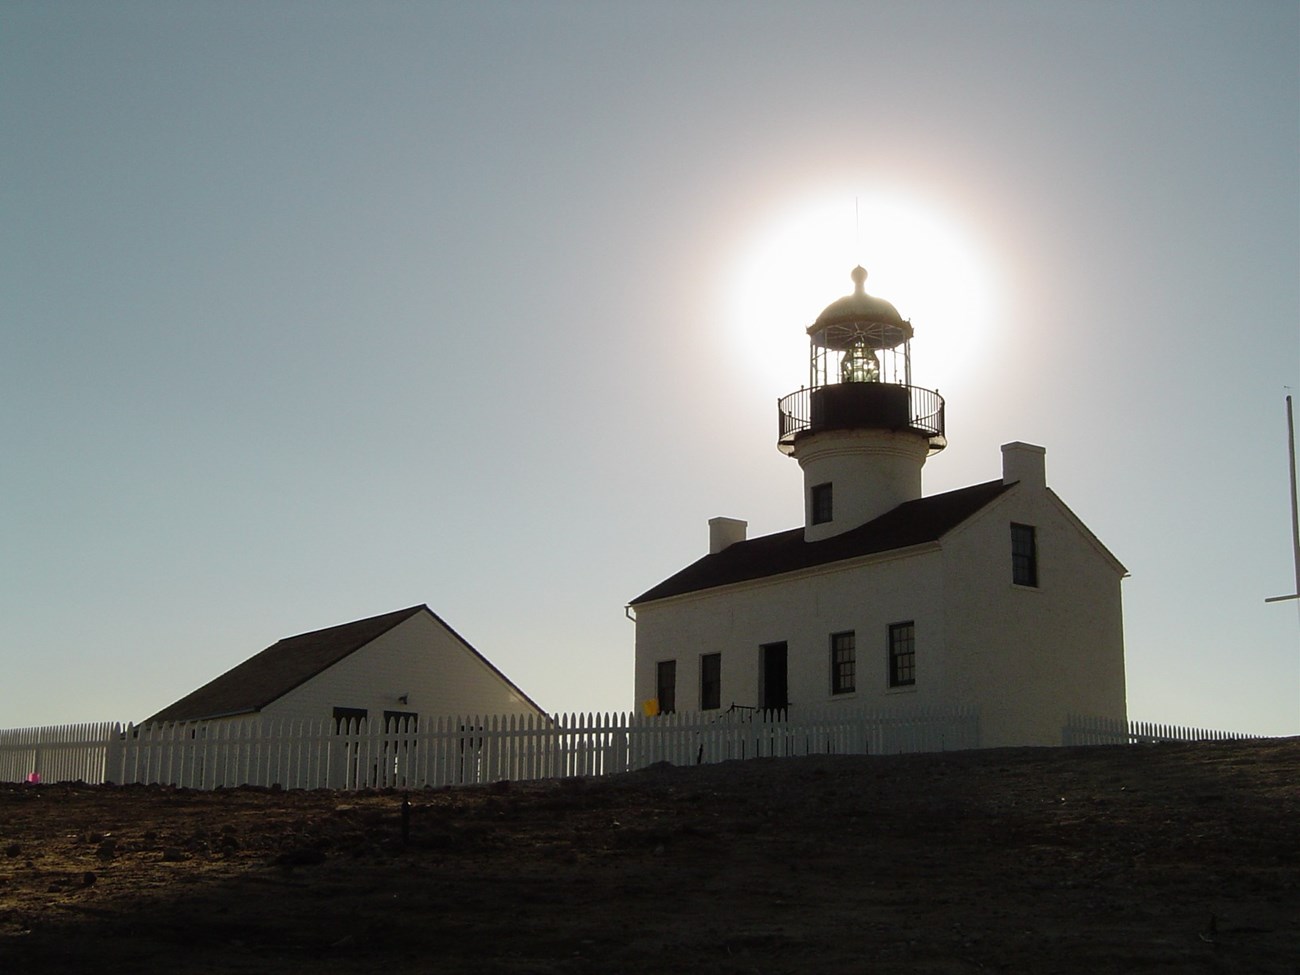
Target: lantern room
[(860, 338), (860, 375)]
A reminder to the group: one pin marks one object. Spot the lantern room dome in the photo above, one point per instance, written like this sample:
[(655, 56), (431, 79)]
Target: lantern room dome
[(863, 311)]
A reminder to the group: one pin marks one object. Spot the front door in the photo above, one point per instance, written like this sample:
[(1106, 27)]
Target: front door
[(773, 689)]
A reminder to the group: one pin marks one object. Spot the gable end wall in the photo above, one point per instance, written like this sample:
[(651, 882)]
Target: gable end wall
[(1030, 656), (420, 658)]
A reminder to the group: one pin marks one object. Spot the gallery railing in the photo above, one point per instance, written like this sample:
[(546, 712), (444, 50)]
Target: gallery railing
[(848, 406)]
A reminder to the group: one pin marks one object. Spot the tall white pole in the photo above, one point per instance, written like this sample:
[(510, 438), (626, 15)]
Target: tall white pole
[(1295, 508), (1295, 511)]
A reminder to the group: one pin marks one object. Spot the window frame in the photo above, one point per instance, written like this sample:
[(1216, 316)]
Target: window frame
[(710, 681), (668, 667), (901, 653), (821, 504), (345, 718), (1024, 555), (843, 662), (393, 720)]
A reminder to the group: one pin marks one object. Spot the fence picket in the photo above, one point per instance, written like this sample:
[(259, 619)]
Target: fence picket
[(1084, 730), (430, 752)]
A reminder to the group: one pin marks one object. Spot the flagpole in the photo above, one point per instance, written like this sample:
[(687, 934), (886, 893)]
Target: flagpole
[(1295, 511)]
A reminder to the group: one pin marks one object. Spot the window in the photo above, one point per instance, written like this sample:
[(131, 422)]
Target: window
[(822, 504), (710, 681), (348, 719), (398, 720), (842, 663), (666, 686), (1024, 555), (902, 654)]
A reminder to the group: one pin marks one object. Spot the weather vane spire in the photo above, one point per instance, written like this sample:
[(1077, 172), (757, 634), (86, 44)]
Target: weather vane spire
[(857, 232)]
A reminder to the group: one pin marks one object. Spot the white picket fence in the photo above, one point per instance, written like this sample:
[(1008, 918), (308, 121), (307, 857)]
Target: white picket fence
[(1082, 730), (63, 753), (302, 755)]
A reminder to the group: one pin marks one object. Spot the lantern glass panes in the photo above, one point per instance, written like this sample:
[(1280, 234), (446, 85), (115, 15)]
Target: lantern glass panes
[(859, 364)]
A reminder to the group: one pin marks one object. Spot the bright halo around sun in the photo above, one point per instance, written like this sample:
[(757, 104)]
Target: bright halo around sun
[(924, 264)]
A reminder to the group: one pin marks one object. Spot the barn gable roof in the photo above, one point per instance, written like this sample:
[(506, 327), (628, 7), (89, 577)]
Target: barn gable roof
[(280, 668), (911, 523)]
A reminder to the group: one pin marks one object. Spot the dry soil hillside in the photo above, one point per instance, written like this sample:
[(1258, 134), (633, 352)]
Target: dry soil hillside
[(1172, 858)]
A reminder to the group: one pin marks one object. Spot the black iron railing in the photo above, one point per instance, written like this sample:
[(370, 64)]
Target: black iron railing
[(848, 406)]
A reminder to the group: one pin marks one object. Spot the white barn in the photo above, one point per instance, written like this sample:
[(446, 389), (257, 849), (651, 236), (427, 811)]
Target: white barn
[(994, 595), (398, 666)]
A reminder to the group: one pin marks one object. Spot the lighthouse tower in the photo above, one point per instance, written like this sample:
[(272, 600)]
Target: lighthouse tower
[(860, 430)]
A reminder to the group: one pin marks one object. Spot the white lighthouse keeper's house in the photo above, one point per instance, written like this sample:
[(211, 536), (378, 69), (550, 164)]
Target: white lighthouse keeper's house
[(994, 595)]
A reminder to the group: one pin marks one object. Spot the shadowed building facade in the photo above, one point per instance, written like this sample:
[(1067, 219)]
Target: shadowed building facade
[(401, 666)]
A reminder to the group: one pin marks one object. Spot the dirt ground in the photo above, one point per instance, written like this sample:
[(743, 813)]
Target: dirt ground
[(1171, 858)]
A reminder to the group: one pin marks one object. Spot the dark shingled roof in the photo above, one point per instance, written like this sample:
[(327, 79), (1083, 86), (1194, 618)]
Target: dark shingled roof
[(911, 523), (280, 668)]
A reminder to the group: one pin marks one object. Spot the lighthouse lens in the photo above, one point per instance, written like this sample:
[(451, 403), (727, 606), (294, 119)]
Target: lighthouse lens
[(859, 365)]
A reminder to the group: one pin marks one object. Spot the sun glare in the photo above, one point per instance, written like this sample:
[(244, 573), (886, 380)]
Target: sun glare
[(921, 262)]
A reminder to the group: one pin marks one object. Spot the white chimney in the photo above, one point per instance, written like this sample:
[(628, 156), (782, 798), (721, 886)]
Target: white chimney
[(724, 532), (1024, 462)]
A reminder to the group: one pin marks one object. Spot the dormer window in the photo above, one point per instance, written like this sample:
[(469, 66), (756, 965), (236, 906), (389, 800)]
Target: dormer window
[(821, 502)]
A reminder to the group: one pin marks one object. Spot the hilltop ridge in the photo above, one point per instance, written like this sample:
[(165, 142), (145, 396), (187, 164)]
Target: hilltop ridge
[(1171, 857)]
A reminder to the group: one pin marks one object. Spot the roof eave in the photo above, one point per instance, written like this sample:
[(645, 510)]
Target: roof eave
[(488, 663), (1088, 534), (808, 571), (161, 718)]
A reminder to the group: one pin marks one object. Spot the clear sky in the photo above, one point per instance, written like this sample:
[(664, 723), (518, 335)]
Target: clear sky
[(313, 311)]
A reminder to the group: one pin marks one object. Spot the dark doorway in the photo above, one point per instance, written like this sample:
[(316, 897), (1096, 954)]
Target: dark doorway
[(773, 689)]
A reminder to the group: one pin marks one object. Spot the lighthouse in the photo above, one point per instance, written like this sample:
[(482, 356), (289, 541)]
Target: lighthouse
[(860, 430), (992, 598)]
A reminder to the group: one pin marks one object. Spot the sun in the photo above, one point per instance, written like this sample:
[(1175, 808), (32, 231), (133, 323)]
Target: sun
[(919, 259)]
